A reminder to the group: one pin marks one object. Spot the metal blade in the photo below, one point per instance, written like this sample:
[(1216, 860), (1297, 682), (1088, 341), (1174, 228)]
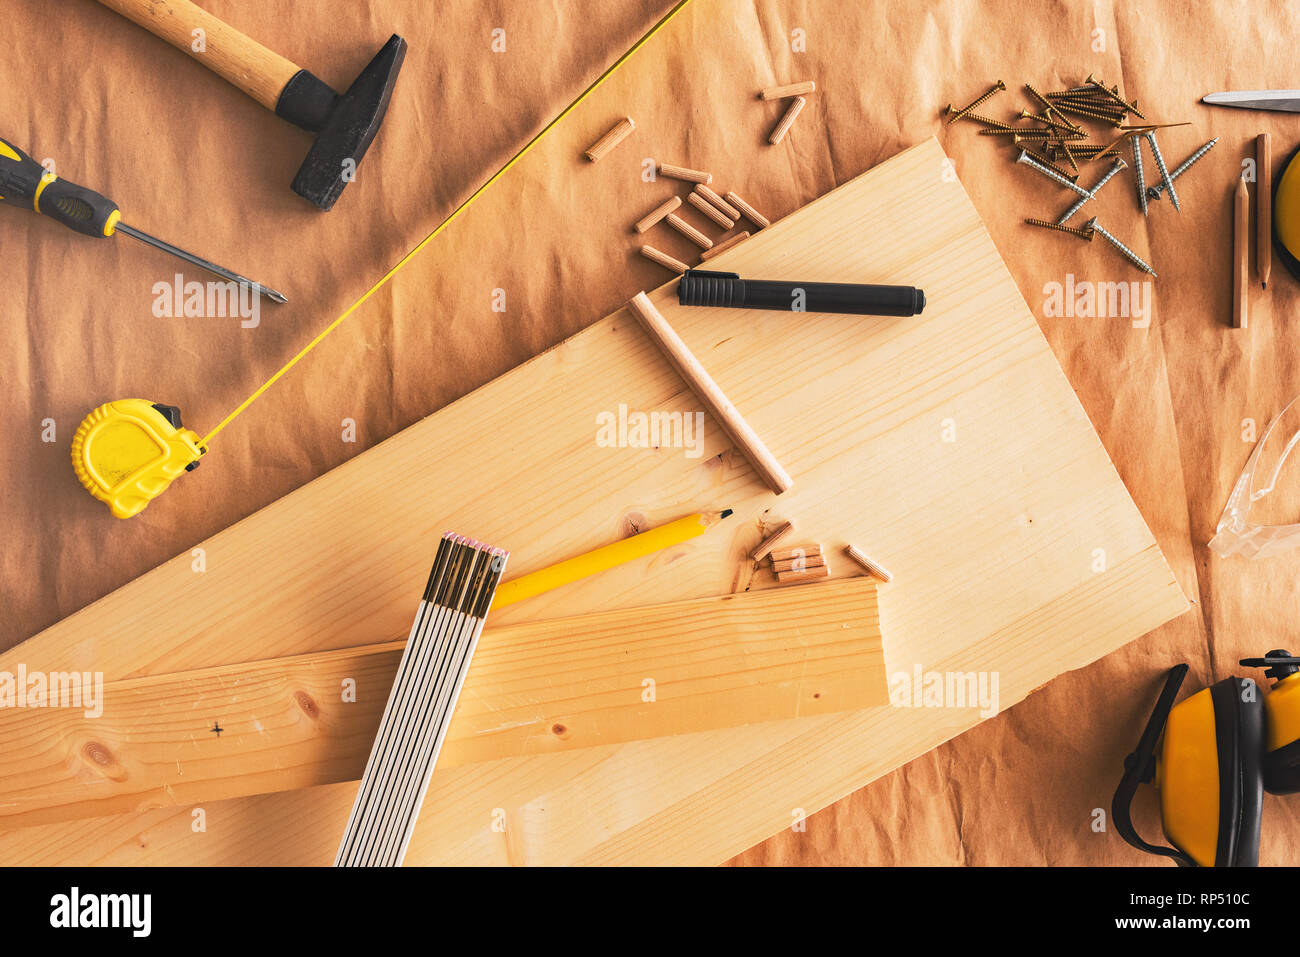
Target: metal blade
[(213, 268), (1283, 101)]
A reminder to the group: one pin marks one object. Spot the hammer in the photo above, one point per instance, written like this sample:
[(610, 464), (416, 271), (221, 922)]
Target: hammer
[(344, 125)]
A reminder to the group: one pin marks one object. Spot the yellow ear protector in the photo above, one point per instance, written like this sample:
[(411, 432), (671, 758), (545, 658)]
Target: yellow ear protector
[(1282, 717), (128, 451), (1219, 750), (1207, 772), (1286, 215)]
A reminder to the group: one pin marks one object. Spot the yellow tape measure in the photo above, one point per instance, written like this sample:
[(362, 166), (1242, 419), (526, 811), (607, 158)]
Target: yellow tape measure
[(127, 452)]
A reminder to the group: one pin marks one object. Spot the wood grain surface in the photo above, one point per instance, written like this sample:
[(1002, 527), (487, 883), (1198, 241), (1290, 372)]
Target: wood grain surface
[(536, 688), (957, 453)]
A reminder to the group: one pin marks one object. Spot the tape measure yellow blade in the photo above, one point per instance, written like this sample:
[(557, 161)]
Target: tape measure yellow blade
[(455, 215), (127, 452)]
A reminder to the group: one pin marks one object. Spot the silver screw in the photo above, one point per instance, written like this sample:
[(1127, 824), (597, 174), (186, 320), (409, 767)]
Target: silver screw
[(1154, 192), (1164, 173), (1029, 161), (1139, 175), (1128, 254), (1115, 168)]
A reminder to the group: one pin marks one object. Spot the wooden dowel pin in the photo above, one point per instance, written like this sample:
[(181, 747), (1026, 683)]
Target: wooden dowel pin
[(689, 231), (663, 259), (797, 558), (709, 210), (770, 541), (723, 246), (689, 175), (710, 394), (749, 212), (799, 563), (789, 553), (723, 206), (870, 567), (790, 89), (656, 214), (787, 121), (611, 139), (807, 575)]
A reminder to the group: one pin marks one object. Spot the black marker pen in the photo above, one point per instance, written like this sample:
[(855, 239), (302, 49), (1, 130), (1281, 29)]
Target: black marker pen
[(702, 287)]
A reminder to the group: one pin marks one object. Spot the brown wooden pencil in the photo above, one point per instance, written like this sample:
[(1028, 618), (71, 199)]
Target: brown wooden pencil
[(1263, 208), (1241, 256)]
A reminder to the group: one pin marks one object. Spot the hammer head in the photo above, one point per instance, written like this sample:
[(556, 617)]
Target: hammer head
[(347, 128)]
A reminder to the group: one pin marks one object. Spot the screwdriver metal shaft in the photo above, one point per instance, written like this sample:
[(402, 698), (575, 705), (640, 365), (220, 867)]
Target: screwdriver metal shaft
[(201, 263), (28, 185)]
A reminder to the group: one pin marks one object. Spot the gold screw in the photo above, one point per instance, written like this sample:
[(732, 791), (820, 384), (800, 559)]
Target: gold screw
[(1064, 120), (1054, 124), (1074, 165), (995, 124), (1115, 119), (1113, 95), (1075, 92), (1014, 132), (1098, 100), (1038, 96), (997, 87), (1044, 224)]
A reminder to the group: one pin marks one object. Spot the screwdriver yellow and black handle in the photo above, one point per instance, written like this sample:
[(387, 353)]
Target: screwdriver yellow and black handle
[(26, 183)]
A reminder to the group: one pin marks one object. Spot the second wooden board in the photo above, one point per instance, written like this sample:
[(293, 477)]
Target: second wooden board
[(535, 688)]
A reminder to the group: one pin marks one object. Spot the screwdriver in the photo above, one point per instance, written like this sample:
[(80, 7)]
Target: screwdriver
[(27, 184)]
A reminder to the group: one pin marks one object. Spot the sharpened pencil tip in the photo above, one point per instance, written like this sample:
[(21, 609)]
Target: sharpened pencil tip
[(726, 512), (1263, 285)]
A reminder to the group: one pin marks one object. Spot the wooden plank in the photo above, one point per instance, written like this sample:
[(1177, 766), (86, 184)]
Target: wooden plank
[(957, 454), (673, 821), (532, 689)]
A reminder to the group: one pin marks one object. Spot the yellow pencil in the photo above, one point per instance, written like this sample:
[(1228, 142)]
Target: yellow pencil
[(607, 556)]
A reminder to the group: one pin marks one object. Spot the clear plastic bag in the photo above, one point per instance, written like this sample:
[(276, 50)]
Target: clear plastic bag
[(1263, 495)]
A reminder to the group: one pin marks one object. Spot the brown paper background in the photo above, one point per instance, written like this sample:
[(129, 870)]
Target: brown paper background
[(194, 161)]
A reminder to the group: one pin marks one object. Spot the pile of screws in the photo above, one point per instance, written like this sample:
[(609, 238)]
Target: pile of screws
[(1054, 137)]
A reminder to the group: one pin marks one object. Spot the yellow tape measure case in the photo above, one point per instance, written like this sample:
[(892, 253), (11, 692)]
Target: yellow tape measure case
[(127, 452)]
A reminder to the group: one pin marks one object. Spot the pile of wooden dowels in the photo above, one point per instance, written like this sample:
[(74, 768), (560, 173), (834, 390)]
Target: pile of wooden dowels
[(800, 563), (722, 212), (1054, 137)]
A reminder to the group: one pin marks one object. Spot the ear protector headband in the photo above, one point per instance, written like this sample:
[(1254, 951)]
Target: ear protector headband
[(1208, 771)]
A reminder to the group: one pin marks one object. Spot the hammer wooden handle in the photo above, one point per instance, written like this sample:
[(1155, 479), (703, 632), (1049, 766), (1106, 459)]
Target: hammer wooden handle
[(259, 72), (710, 394)]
